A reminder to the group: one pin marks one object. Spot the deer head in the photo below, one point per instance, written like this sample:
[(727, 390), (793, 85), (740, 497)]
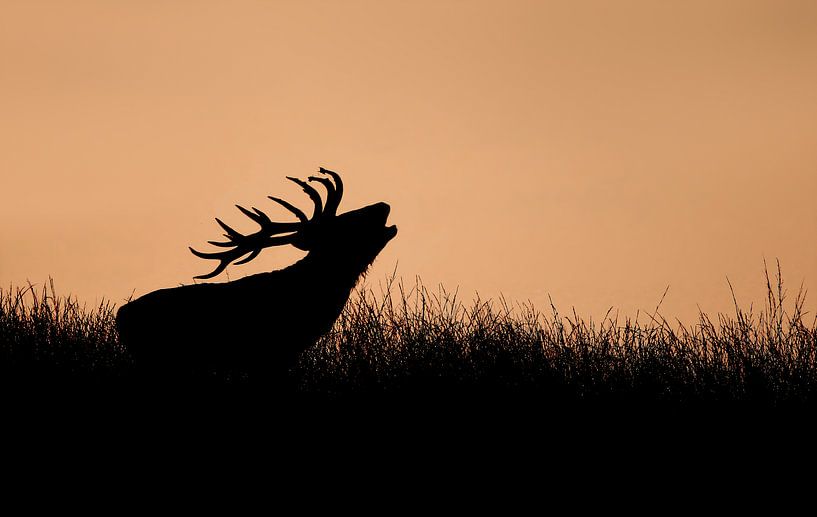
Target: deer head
[(325, 233)]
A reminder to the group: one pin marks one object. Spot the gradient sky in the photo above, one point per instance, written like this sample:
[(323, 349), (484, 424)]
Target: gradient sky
[(596, 151)]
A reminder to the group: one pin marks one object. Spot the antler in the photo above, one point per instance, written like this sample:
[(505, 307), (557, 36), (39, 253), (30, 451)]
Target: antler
[(334, 192), (270, 233)]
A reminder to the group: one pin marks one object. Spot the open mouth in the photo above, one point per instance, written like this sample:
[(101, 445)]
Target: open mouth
[(389, 231)]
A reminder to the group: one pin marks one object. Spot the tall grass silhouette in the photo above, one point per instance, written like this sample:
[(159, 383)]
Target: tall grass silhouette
[(46, 339), (409, 341), (413, 340)]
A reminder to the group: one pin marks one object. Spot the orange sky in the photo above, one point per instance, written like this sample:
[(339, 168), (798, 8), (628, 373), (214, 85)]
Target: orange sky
[(597, 151)]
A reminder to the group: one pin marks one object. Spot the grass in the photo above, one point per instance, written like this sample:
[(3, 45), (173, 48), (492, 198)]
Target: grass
[(45, 338), (409, 341), (413, 340)]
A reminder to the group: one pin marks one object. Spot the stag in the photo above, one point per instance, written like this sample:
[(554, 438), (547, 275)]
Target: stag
[(256, 327)]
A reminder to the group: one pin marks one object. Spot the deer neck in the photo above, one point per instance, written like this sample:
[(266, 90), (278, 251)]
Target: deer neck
[(336, 272)]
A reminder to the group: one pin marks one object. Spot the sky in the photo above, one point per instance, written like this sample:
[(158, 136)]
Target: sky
[(594, 152)]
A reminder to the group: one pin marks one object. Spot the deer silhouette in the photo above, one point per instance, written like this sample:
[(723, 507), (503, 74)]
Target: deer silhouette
[(256, 327)]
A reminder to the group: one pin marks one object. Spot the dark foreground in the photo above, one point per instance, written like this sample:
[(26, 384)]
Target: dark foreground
[(413, 394), (412, 348), (415, 382)]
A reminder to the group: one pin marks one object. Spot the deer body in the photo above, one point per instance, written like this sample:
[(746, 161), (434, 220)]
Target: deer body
[(258, 325)]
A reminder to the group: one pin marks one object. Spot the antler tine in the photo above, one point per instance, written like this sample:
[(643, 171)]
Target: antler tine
[(331, 208), (295, 210), (267, 226), (223, 263), (333, 202), (258, 216), (313, 194), (230, 232), (250, 257), (221, 244)]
